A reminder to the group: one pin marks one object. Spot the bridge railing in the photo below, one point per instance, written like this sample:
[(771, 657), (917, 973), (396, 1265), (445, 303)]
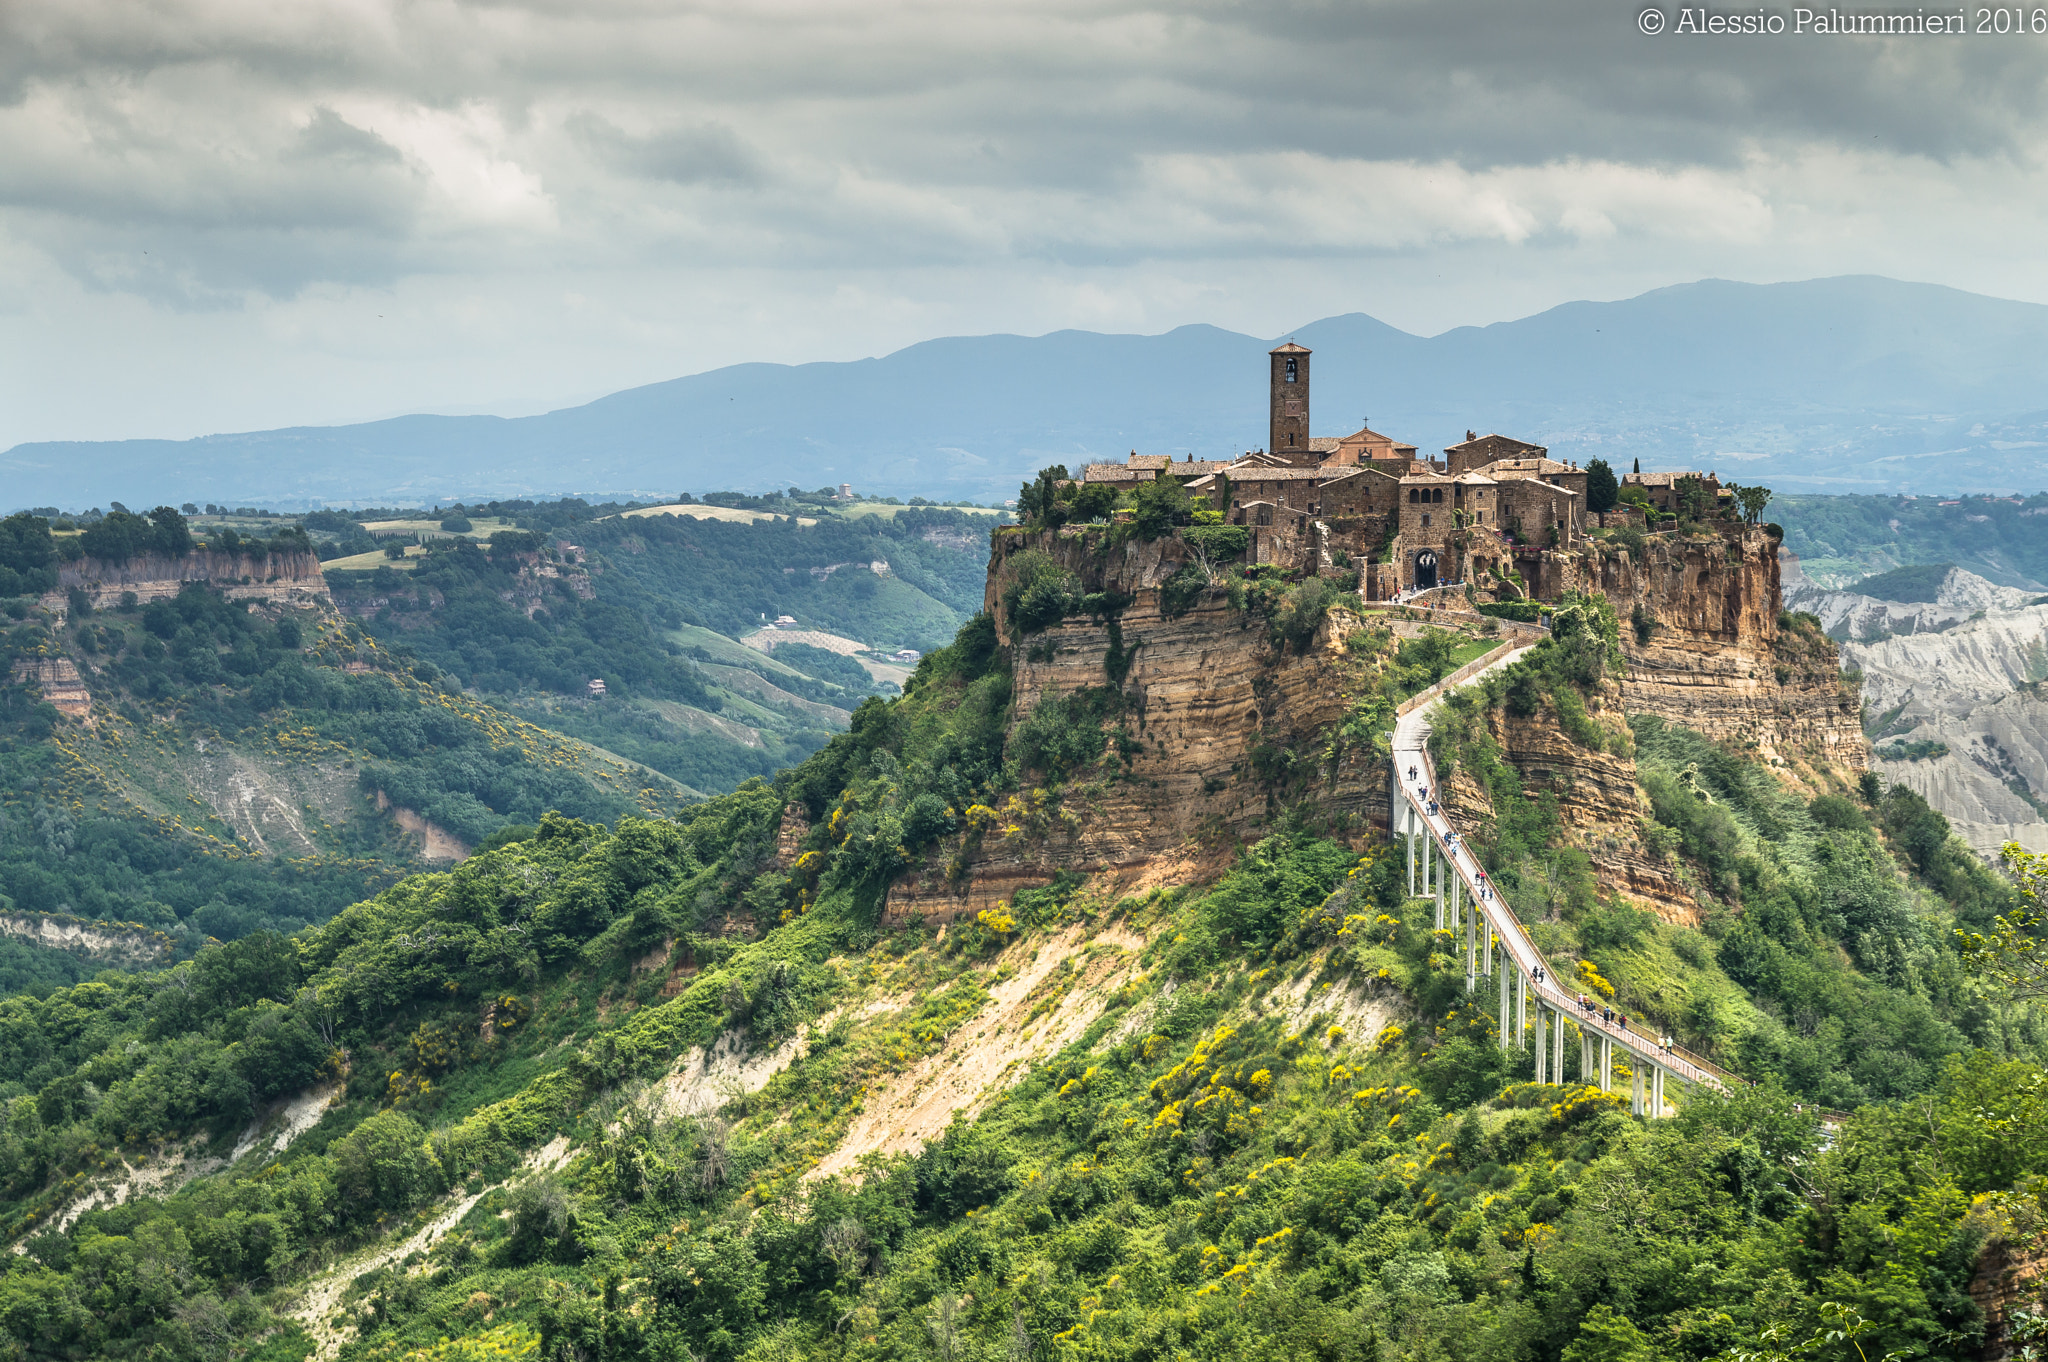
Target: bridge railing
[(1501, 920)]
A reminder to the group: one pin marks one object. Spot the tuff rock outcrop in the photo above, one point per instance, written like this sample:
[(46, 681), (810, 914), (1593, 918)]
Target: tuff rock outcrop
[(1220, 725)]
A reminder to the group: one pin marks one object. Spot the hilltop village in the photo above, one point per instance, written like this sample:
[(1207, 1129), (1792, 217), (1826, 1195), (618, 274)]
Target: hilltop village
[(1495, 513)]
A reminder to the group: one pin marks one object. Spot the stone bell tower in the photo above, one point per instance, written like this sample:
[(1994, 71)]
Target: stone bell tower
[(1289, 438)]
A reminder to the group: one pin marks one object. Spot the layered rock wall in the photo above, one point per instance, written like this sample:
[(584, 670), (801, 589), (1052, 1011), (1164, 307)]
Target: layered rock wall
[(1701, 631), (1220, 725), (1209, 702), (58, 679), (276, 578)]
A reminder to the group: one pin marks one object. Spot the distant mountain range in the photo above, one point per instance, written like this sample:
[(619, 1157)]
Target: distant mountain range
[(1856, 384)]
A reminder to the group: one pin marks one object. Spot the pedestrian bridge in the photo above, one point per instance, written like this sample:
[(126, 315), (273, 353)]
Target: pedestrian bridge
[(1534, 1008)]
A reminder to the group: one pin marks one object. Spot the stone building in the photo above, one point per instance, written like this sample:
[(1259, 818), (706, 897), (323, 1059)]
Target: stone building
[(1662, 488), (1494, 512), (1141, 468), (1288, 426), (1480, 450)]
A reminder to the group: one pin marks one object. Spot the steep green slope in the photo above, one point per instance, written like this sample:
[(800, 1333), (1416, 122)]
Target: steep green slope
[(530, 624), (1275, 1124), (239, 765), (236, 766)]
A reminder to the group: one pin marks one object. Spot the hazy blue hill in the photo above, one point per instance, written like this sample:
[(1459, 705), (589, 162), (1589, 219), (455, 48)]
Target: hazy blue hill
[(1851, 384)]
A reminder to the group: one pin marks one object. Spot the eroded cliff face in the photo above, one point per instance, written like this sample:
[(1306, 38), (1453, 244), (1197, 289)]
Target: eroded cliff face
[(1221, 727), (1599, 803), (1217, 721), (277, 578), (120, 945), (1715, 657)]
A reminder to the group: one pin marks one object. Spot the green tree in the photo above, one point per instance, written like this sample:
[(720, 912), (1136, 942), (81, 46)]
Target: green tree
[(1607, 1335), (1603, 489), (1752, 500), (1158, 506), (1038, 501), (383, 1165)]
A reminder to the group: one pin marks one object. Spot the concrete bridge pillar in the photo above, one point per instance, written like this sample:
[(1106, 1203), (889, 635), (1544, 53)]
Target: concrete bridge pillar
[(1521, 1006), (1471, 949), (1656, 1091), (1635, 1087), (1585, 1056), (1606, 1064), (1542, 1055), (1505, 990)]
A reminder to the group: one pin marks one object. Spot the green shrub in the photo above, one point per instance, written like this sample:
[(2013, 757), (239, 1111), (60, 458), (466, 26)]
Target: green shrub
[(1179, 593), (1833, 811), (1219, 543), (1064, 733), (1301, 613), (1527, 612), (1040, 593)]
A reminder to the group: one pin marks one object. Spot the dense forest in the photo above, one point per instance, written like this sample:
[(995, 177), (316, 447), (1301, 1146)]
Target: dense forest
[(465, 669), (1208, 1169)]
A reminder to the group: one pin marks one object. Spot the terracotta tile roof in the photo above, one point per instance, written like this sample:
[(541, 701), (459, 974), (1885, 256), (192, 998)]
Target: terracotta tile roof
[(1550, 486), (1526, 468), (1501, 442), (1367, 435), (1114, 472), (1261, 474), (1290, 349), (1150, 461)]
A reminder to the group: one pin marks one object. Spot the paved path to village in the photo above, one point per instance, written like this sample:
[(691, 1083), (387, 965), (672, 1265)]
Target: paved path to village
[(1411, 751)]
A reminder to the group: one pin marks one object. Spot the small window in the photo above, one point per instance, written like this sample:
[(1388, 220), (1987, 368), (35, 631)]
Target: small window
[(1425, 520), (1291, 370)]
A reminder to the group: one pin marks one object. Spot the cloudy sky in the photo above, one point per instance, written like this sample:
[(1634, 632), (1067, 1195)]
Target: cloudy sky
[(234, 214)]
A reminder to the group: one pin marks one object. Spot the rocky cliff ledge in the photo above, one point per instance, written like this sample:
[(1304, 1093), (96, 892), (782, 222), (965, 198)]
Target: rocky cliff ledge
[(1213, 714), (276, 578), (1221, 727), (1707, 647)]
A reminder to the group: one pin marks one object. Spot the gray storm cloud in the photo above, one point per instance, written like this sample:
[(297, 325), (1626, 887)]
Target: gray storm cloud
[(216, 155), (446, 135)]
